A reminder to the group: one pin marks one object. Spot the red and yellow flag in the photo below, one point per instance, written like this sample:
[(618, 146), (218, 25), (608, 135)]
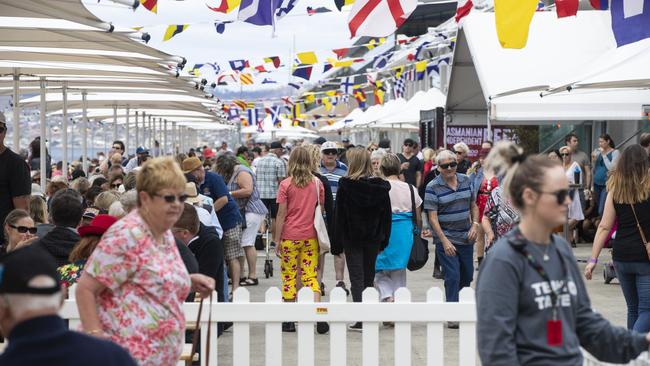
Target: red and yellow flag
[(151, 5)]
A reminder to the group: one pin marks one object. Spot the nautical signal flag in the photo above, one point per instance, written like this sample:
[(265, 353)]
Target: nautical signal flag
[(240, 103), (341, 3), (346, 84), (269, 81), (360, 96), (308, 58), (151, 5), (302, 71), (513, 19), (341, 52), (462, 9), (225, 6), (566, 8), (420, 69), (246, 79), (220, 27), (261, 68), (398, 71), (321, 9), (273, 59), (239, 65), (630, 20), (379, 92), (379, 18), (173, 30), (327, 67), (599, 4), (274, 112)]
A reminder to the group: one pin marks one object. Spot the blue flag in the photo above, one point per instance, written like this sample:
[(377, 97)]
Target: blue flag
[(258, 12), (630, 20)]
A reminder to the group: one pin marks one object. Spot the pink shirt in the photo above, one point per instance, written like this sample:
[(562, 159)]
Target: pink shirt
[(301, 203)]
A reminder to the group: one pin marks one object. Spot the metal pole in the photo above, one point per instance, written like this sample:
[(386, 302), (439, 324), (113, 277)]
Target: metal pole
[(137, 131), (43, 157), (165, 136), (16, 112), (84, 138), (114, 122), (150, 135), (126, 130), (174, 152), (64, 164)]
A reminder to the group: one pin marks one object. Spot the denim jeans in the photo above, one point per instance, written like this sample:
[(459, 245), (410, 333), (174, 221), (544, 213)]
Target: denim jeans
[(458, 271), (634, 278), (361, 268)]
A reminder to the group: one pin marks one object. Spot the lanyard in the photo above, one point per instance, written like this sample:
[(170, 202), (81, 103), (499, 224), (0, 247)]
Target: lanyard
[(518, 243)]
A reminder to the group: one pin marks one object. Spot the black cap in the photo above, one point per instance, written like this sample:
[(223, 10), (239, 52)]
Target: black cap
[(384, 144), (409, 141), (276, 145), (345, 139), (21, 266), (77, 173), (320, 140)]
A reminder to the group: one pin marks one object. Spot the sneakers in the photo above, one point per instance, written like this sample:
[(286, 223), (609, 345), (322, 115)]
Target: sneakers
[(322, 327), (341, 284), (452, 325), (356, 327), (289, 327)]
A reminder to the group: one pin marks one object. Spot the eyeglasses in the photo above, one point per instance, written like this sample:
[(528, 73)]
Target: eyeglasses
[(408, 145), (560, 195), (565, 154), (329, 152), (458, 152), (116, 185), (117, 147), (451, 165), (24, 229), (171, 198)]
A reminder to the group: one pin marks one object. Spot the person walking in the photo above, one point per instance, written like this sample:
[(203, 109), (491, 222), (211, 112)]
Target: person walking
[(604, 164), (453, 216), (574, 174), (295, 232), (121, 294), (363, 222), (628, 203), (462, 157), (411, 167), (534, 309), (483, 182), (271, 170)]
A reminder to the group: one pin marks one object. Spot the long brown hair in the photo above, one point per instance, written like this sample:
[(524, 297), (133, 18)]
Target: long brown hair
[(300, 167), (84, 248), (359, 163), (630, 180)]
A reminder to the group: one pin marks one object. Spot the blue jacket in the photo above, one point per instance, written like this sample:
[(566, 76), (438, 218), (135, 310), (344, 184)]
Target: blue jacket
[(46, 340)]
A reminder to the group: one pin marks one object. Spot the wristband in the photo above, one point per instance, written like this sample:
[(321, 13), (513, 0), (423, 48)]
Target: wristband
[(94, 332), (593, 260), (475, 223)]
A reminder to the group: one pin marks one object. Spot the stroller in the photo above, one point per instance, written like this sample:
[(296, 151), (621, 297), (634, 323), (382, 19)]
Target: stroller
[(263, 242), (609, 272)]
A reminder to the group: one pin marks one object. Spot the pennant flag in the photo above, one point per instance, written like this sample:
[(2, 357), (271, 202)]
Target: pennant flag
[(327, 67), (360, 96), (151, 5), (285, 7), (173, 30), (226, 6), (295, 112), (233, 113), (319, 10), (420, 69), (261, 69), (433, 67), (220, 27), (252, 115), (309, 98), (379, 92), (462, 9), (239, 65), (294, 85), (371, 77), (341, 52), (274, 59), (302, 71), (225, 77), (195, 70), (600, 4), (346, 84), (377, 18), (287, 101), (241, 104), (382, 60), (246, 78), (513, 19), (400, 87), (269, 81), (308, 58), (258, 12), (274, 112), (566, 8), (335, 63), (341, 3), (630, 20), (398, 71)]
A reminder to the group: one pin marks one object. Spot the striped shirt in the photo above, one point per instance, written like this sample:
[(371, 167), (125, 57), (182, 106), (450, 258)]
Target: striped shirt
[(452, 206), (253, 203), (339, 171)]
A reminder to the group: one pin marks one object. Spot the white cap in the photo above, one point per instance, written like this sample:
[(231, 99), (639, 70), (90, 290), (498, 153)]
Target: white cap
[(328, 145)]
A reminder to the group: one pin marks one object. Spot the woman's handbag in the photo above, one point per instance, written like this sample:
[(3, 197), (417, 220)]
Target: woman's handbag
[(319, 224), (197, 331), (420, 248), (643, 238)]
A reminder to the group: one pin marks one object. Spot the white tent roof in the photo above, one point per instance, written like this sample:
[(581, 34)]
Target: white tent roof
[(343, 122), (285, 127), (410, 112)]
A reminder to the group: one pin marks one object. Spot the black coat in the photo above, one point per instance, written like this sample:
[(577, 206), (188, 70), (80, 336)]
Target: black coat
[(59, 242), (208, 250), (363, 214)]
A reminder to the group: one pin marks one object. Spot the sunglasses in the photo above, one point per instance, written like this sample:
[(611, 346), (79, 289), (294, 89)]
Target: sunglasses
[(560, 195), (565, 154), (408, 145), (458, 152), (24, 229), (171, 198), (448, 165), (329, 152), (117, 148), (117, 185)]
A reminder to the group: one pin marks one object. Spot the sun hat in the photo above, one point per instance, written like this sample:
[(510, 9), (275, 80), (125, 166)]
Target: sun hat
[(192, 194), (98, 226), (190, 164)]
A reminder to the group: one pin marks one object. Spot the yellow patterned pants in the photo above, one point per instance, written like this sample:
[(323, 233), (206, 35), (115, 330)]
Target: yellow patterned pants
[(295, 253)]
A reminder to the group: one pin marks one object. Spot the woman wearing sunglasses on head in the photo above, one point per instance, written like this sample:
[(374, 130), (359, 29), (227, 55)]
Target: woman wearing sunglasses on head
[(19, 229), (534, 308), (134, 283), (574, 174)]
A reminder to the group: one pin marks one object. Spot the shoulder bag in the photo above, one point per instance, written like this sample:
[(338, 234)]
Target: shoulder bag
[(319, 223), (205, 355), (643, 238), (420, 249)]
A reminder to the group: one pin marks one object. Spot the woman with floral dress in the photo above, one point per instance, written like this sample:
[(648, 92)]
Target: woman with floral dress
[(134, 284)]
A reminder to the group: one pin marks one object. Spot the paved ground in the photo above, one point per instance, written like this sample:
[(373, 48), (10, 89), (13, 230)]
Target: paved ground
[(607, 299)]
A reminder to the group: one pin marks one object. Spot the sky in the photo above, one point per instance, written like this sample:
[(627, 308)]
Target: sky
[(200, 43)]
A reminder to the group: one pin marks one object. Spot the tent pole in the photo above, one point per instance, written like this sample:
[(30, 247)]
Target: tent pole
[(43, 148), (165, 144), (151, 136), (174, 152), (490, 112), (16, 111), (126, 132), (64, 164), (137, 132), (84, 129), (115, 123)]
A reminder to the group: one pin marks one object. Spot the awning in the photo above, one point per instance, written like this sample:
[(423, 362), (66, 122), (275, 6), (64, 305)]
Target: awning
[(410, 112)]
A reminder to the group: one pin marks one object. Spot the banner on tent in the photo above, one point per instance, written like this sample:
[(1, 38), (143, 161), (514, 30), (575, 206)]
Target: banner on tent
[(475, 136)]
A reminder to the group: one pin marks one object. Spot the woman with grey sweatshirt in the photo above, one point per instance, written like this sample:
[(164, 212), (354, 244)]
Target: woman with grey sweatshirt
[(533, 307)]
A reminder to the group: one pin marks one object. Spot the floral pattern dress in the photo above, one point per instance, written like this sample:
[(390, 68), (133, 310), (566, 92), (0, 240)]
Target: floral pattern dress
[(70, 273), (146, 284)]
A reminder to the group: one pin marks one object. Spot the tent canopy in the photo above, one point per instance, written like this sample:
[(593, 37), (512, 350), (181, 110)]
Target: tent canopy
[(410, 111)]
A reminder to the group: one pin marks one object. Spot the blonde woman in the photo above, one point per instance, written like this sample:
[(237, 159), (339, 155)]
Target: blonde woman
[(38, 210), (297, 198), (429, 156), (134, 283), (363, 221), (574, 174)]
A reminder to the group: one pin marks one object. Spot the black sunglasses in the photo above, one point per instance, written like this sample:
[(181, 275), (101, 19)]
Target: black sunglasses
[(565, 154), (408, 144), (171, 198), (24, 229), (449, 165), (458, 152), (116, 185), (329, 152), (560, 195)]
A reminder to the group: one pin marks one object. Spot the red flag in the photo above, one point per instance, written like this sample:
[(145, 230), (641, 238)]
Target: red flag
[(566, 8), (379, 18), (341, 52), (464, 7), (151, 5)]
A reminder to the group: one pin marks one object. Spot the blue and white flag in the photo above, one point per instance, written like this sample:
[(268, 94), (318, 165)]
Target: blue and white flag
[(233, 113), (630, 20), (347, 84), (285, 7), (400, 86), (262, 12), (252, 116), (380, 61), (274, 112)]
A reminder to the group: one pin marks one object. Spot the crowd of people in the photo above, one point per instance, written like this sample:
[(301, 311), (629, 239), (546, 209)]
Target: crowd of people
[(140, 235)]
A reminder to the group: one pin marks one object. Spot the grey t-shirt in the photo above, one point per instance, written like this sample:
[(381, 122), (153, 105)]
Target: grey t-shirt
[(581, 158), (514, 305)]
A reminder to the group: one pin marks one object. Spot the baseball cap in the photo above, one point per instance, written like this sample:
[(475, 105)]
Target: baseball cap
[(90, 213), (345, 139), (142, 150), (190, 164), (384, 144), (21, 267), (328, 145), (98, 225), (320, 140), (276, 145)]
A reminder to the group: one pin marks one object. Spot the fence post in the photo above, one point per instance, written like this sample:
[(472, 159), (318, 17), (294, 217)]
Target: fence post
[(370, 337), (338, 333), (241, 332), (402, 332), (306, 331), (435, 343), (273, 334), (467, 332)]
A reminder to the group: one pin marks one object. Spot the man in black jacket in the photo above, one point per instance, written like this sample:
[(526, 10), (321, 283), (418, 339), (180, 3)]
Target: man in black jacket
[(66, 212)]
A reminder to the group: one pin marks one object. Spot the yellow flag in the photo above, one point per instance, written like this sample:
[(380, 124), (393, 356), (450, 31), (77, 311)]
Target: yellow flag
[(173, 30), (421, 66), (330, 93), (309, 98), (327, 104), (308, 58), (336, 63), (513, 19)]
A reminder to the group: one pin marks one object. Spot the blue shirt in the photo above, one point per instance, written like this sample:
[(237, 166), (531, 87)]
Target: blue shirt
[(215, 188), (46, 340), (452, 206), (339, 171)]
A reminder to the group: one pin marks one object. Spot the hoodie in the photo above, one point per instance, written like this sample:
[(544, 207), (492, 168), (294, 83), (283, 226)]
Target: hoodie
[(59, 242), (363, 214)]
